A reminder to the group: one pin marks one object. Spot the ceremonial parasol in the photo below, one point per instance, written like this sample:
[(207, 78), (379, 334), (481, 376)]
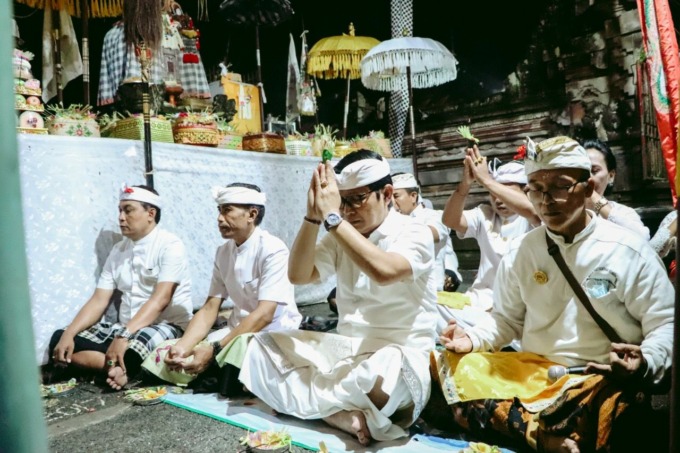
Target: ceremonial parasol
[(258, 13), (416, 62), (83, 9), (340, 56)]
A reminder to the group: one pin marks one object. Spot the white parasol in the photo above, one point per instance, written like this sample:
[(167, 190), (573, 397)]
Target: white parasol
[(411, 61)]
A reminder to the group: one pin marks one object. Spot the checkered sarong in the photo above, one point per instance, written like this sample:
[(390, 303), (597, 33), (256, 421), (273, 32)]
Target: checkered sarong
[(118, 64), (192, 75), (143, 342)]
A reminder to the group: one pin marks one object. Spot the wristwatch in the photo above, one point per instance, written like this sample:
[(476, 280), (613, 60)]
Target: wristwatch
[(601, 203), (124, 333), (217, 347), (332, 220)]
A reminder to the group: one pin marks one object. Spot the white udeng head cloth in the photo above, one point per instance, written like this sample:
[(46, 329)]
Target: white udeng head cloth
[(554, 153), (362, 173), (238, 195), (508, 173), (404, 181), (128, 193)]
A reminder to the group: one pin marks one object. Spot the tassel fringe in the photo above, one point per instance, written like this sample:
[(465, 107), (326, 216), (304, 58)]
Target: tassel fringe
[(98, 8), (333, 65), (387, 71)]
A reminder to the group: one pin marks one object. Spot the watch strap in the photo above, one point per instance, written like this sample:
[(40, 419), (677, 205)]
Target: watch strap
[(217, 347), (124, 333), (601, 203)]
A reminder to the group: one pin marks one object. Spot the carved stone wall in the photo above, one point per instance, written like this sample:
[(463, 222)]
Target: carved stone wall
[(578, 79)]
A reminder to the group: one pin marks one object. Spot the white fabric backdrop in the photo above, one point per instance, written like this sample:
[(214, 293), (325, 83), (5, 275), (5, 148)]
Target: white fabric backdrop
[(70, 197)]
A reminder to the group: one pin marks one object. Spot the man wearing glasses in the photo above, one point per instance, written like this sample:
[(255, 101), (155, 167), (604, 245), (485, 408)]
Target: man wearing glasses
[(372, 379), (626, 285)]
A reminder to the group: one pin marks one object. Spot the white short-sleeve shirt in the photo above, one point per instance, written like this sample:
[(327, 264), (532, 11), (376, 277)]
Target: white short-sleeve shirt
[(493, 234), (135, 267), (403, 312), (254, 271), (445, 256)]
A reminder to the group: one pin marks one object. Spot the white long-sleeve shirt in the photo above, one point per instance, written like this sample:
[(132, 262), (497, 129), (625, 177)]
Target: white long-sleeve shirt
[(623, 277), (628, 218)]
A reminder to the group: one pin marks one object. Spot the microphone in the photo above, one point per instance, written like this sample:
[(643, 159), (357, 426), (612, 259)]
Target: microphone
[(557, 371)]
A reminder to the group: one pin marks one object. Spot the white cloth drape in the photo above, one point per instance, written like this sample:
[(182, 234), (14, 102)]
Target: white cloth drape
[(71, 61)]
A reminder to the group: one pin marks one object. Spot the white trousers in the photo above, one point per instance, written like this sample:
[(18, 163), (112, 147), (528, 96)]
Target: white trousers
[(308, 393)]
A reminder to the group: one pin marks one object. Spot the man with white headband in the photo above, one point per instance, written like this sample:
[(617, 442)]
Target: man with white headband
[(251, 268), (149, 267), (408, 201), (372, 378), (508, 215), (620, 328)]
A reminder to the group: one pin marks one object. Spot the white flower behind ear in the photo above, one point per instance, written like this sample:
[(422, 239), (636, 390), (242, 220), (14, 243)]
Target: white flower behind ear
[(532, 154)]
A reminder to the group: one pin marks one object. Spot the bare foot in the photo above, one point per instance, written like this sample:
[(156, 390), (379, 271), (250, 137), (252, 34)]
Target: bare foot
[(554, 444), (353, 422), (117, 378)]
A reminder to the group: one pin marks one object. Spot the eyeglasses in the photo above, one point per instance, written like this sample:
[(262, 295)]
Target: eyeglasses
[(556, 193), (355, 201)]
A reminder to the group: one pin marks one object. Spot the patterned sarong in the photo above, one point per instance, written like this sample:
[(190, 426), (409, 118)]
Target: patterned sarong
[(580, 408), (143, 342)]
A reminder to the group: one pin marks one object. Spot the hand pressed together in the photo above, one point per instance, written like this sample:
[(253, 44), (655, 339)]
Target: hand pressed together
[(323, 195)]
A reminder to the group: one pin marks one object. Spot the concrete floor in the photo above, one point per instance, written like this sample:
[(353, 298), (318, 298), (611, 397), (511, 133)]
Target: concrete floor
[(93, 420)]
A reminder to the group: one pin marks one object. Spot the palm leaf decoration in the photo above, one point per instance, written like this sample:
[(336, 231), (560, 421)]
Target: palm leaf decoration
[(464, 131)]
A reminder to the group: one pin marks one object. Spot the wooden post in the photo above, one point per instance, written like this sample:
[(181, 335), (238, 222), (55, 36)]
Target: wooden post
[(412, 123), (85, 18), (56, 35), (145, 62)]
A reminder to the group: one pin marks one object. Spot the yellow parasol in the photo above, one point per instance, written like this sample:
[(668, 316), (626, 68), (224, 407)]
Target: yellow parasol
[(340, 57), (97, 8)]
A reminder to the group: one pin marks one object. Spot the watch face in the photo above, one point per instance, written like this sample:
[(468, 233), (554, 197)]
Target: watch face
[(332, 220)]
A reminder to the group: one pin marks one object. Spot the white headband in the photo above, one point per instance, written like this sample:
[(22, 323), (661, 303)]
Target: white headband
[(511, 172), (404, 181), (362, 173), (128, 193), (238, 195)]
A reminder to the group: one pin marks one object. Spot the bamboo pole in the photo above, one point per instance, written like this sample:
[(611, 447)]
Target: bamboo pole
[(22, 427)]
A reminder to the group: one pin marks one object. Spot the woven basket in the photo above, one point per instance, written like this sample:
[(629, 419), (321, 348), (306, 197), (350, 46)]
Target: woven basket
[(265, 142), (230, 141), (299, 147), (133, 128), (193, 135), (378, 145), (73, 128)]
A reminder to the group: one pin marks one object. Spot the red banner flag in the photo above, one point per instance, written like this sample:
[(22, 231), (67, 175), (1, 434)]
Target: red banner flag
[(663, 66)]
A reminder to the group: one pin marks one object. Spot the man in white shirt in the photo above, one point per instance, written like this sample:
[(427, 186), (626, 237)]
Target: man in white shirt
[(252, 269), (407, 201), (149, 268), (372, 378), (622, 277), (508, 215)]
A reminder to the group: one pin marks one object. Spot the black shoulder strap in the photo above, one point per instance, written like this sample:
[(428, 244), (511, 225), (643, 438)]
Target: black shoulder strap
[(554, 251)]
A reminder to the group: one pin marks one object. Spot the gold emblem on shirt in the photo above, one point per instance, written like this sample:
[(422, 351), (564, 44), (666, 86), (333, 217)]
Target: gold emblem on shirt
[(541, 277)]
